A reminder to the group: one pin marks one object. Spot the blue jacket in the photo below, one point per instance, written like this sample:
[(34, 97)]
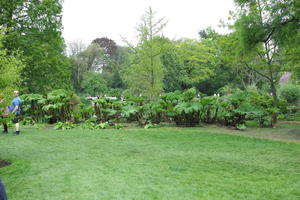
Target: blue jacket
[(15, 102)]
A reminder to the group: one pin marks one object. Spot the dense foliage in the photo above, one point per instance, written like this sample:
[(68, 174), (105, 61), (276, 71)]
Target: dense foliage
[(264, 29), (11, 66), (182, 108), (157, 79), (34, 28)]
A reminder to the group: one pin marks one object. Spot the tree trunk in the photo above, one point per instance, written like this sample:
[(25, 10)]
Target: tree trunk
[(275, 101)]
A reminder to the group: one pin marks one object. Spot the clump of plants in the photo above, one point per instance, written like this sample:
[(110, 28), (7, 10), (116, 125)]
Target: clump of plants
[(93, 124), (64, 125), (151, 125), (290, 92), (185, 109)]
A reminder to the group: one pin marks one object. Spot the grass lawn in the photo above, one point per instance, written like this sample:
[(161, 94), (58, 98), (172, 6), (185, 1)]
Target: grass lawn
[(162, 163), (283, 131)]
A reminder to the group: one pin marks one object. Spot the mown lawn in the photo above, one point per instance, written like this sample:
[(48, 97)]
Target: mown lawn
[(163, 163)]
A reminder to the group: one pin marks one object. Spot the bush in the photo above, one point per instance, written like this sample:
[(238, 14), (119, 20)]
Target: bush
[(153, 112), (187, 111), (290, 92), (237, 108), (210, 108), (32, 105), (60, 105), (184, 108), (64, 125)]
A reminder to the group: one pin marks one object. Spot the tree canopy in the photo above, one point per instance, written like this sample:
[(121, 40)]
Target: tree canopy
[(34, 29)]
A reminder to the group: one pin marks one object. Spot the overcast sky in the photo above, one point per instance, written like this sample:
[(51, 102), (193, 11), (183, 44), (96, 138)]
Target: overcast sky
[(89, 19)]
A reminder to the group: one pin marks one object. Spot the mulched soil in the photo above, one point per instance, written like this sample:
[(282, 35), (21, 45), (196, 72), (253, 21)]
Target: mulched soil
[(4, 163)]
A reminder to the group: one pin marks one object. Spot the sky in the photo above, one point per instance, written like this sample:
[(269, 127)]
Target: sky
[(86, 20)]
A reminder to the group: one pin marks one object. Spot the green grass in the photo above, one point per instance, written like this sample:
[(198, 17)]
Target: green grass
[(163, 163), (281, 132)]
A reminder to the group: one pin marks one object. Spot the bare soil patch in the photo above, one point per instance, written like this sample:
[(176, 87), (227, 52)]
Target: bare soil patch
[(4, 163)]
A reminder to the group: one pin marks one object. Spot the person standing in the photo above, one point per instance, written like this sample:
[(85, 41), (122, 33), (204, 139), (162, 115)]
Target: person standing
[(15, 109)]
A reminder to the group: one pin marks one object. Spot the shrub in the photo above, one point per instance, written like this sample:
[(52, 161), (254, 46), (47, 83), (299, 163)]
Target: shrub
[(210, 108), (187, 111), (183, 108), (133, 110), (241, 106), (27, 121), (104, 125), (150, 125), (118, 126), (153, 112), (83, 112), (290, 92), (32, 105), (59, 105), (234, 108), (64, 125), (107, 109)]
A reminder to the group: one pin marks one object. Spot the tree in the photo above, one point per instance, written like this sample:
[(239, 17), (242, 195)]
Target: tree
[(109, 53), (173, 67), (291, 56), (110, 47), (10, 68), (93, 84), (93, 57), (208, 33), (84, 59), (230, 70), (263, 27), (78, 64), (75, 48), (145, 74), (46, 67), (199, 60), (111, 61), (34, 28)]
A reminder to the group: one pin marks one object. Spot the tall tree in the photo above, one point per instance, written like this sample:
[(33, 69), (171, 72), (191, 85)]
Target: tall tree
[(173, 69), (111, 61), (110, 47), (229, 70), (10, 68), (34, 28), (109, 53), (93, 55), (208, 33), (84, 60), (145, 75), (199, 60), (291, 56), (263, 27), (76, 47)]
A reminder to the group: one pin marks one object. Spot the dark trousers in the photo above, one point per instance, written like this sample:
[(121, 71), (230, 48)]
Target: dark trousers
[(5, 127), (2, 191)]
